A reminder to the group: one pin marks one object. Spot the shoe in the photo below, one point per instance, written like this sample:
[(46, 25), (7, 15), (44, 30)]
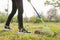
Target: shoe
[(25, 31), (7, 28), (20, 33)]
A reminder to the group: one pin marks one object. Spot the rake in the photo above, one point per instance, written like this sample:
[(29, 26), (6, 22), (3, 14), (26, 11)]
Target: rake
[(44, 27), (40, 16)]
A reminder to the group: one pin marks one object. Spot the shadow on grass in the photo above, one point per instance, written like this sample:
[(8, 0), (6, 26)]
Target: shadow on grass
[(3, 32)]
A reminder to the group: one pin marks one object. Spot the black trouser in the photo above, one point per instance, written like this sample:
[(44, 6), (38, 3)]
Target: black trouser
[(16, 4)]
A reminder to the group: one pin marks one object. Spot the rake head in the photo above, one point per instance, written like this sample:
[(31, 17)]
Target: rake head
[(29, 0)]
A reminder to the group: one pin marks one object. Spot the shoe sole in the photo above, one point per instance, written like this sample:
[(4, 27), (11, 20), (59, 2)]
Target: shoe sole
[(20, 33)]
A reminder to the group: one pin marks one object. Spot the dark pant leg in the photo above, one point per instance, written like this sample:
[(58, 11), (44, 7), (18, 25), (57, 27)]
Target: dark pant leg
[(14, 8), (20, 13)]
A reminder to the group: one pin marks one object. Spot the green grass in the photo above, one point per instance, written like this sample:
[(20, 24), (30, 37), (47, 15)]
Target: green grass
[(13, 34)]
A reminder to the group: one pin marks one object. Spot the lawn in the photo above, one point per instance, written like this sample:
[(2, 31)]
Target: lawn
[(13, 34)]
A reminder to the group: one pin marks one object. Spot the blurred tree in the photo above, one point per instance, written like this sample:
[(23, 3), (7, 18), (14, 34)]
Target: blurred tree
[(3, 17), (55, 3), (34, 19), (26, 19), (52, 15)]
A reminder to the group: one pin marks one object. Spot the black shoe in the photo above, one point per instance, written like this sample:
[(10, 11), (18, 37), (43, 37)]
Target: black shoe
[(25, 31), (7, 28)]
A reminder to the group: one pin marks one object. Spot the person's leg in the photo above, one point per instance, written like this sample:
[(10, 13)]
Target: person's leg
[(19, 4), (14, 8), (20, 16)]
